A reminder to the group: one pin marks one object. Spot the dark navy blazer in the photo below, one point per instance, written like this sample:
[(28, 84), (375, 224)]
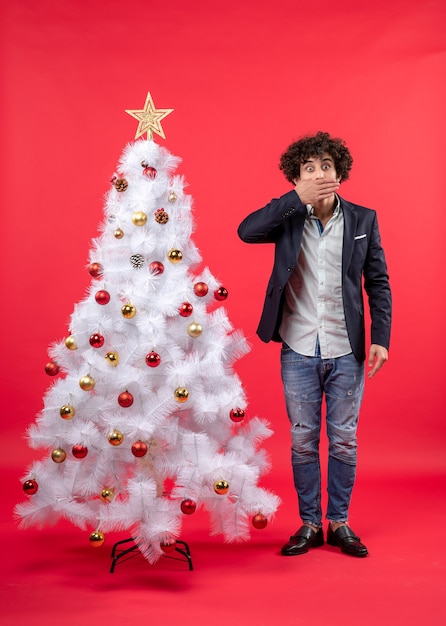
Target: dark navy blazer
[(281, 222)]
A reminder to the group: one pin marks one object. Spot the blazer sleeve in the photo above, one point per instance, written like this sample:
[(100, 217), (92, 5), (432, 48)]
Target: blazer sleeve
[(263, 225), (377, 287)]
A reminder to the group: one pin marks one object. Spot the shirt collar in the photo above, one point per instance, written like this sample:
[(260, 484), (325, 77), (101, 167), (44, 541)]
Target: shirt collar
[(310, 210)]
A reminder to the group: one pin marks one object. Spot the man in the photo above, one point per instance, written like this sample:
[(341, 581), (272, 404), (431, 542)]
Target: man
[(325, 247)]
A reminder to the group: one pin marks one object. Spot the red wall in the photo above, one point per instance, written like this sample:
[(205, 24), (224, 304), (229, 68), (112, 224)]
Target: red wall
[(245, 79)]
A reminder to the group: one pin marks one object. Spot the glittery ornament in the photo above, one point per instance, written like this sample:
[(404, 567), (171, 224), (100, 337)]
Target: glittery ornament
[(200, 289), (67, 412), (79, 451), (181, 394), (156, 267), (194, 330), (71, 343), (139, 218), (221, 293), (168, 545), (107, 494), (58, 455), (139, 449), (153, 359), (96, 340), (237, 415), (112, 358), (30, 486), (102, 297), (150, 172), (52, 369), (115, 438), (174, 256), (118, 234), (137, 261), (161, 216), (188, 507), (96, 539), (221, 487), (128, 311), (95, 270), (87, 383), (185, 309), (259, 521), (172, 197), (120, 184), (125, 399)]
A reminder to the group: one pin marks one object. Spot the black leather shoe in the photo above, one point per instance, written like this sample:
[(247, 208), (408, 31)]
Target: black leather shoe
[(304, 539), (346, 539)]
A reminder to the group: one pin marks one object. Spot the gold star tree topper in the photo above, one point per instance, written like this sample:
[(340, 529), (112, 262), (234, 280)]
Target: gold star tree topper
[(149, 119)]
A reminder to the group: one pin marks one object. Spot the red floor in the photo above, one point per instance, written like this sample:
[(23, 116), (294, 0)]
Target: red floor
[(53, 576)]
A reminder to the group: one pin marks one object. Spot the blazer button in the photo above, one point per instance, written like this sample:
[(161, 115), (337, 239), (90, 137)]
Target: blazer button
[(290, 269)]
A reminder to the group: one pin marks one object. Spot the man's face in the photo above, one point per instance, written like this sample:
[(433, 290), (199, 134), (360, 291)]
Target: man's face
[(316, 167)]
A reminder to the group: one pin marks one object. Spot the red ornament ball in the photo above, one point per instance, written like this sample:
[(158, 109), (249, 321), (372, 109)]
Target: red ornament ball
[(96, 340), (30, 487), (237, 415), (221, 294), (150, 172), (79, 451), (201, 289), (95, 270), (52, 369), (153, 359), (102, 297), (139, 449), (156, 268), (259, 521), (168, 545), (188, 507), (125, 399), (186, 309)]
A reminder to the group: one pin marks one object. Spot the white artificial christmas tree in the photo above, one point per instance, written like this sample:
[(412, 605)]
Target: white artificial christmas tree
[(146, 419)]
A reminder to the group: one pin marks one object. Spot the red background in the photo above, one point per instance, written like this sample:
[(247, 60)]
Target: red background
[(245, 80)]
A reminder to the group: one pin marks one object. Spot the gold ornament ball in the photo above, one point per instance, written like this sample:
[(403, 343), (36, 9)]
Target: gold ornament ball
[(172, 196), (96, 539), (58, 455), (181, 394), (118, 234), (107, 494), (139, 218), (194, 329), (128, 311), (112, 358), (71, 343), (175, 256), (87, 383), (115, 438), (221, 487), (67, 412)]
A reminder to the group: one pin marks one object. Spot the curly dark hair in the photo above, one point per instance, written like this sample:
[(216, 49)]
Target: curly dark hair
[(315, 146)]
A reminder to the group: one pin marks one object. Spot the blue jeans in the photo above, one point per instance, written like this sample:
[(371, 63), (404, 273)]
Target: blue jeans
[(305, 380)]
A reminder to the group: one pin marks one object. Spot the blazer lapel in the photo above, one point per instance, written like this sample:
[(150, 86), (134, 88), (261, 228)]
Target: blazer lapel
[(350, 221)]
